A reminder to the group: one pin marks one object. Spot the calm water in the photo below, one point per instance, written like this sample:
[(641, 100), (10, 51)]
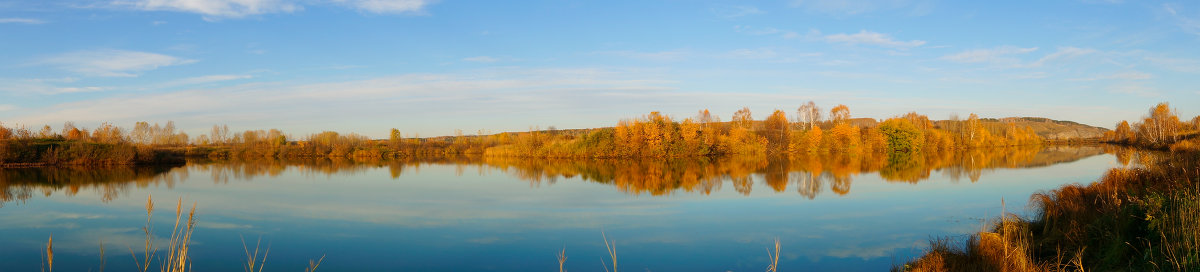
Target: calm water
[(831, 213)]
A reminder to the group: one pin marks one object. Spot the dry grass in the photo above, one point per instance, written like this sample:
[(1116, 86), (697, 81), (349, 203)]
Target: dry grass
[(177, 257), (774, 257), (143, 264), (101, 256), (612, 252), (562, 259), (50, 254), (252, 259), (1005, 248), (177, 254), (1140, 219), (312, 265)]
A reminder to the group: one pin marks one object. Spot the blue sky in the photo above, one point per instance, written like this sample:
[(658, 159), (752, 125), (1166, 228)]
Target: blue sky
[(431, 67)]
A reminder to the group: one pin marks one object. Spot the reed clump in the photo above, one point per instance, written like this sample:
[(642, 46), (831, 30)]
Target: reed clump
[(176, 257), (1131, 219)]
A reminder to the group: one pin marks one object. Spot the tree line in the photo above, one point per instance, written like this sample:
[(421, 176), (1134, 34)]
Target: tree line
[(1160, 128), (654, 135), (658, 135)]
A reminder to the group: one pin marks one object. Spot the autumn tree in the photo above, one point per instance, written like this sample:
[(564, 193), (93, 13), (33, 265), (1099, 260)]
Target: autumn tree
[(395, 139), (219, 134), (813, 140), (1123, 133), (839, 114), (902, 135), (108, 133), (742, 118), (140, 133), (845, 137), (777, 129), (874, 140), (691, 142), (656, 134), (1160, 127), (809, 113), (972, 131), (920, 121), (5, 132), (46, 132)]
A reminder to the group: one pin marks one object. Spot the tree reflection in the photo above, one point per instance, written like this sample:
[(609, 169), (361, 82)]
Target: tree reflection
[(19, 184), (808, 174)]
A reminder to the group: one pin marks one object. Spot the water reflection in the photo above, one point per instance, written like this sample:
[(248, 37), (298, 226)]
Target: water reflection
[(20, 184), (809, 176), (513, 214)]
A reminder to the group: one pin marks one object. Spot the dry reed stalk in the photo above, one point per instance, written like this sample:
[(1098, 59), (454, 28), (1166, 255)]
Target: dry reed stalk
[(144, 264), (774, 257), (562, 259), (50, 253), (312, 265), (101, 256), (177, 253), (612, 252), (252, 260)]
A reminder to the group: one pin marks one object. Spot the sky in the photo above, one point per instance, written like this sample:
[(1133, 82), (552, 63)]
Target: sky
[(430, 67)]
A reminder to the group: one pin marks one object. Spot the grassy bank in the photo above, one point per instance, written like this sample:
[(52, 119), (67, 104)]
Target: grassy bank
[(57, 152), (1143, 218)]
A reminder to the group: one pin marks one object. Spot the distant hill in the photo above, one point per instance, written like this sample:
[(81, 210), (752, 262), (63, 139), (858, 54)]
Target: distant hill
[(1047, 128)]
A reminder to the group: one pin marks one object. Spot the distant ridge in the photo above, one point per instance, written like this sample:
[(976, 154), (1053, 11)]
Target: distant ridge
[(1047, 128)]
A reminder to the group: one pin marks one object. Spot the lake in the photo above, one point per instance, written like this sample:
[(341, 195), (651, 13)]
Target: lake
[(830, 212)]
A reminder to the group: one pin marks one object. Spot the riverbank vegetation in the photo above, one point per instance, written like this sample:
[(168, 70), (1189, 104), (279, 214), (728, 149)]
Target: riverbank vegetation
[(105, 146), (654, 135), (1143, 216), (1161, 128)]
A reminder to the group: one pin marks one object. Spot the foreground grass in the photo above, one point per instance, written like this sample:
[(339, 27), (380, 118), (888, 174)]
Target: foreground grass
[(175, 257), (1132, 219)]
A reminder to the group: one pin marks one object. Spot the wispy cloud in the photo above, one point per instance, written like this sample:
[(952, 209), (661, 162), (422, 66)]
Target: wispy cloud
[(112, 63), (78, 89), (1189, 24), (759, 31), (494, 91), (221, 9), (1135, 89), (761, 53), (1007, 56), (7, 107), (1175, 64), (213, 9), (207, 79), (484, 59), (45, 86), (730, 12), (844, 7), (1133, 75), (671, 55), (27, 21), (872, 38), (388, 6), (998, 55), (1063, 53)]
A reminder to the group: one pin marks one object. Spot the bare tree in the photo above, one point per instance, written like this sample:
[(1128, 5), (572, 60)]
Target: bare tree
[(809, 113)]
